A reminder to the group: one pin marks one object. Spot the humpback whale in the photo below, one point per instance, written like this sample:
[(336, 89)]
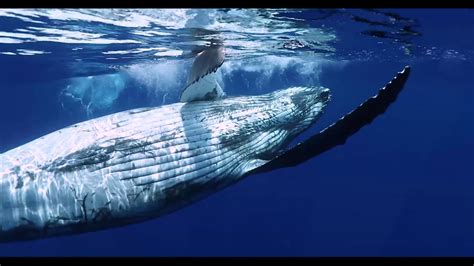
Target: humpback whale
[(143, 163)]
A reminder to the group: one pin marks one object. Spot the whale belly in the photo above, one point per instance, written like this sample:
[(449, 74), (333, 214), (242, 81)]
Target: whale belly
[(127, 167)]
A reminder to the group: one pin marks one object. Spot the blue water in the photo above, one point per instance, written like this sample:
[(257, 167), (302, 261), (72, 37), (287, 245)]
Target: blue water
[(402, 186)]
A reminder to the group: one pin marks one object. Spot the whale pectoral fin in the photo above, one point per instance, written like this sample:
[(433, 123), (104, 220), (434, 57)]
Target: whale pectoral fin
[(337, 133), (202, 83)]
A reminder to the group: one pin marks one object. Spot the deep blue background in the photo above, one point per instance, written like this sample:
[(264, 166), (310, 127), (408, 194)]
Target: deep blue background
[(402, 186)]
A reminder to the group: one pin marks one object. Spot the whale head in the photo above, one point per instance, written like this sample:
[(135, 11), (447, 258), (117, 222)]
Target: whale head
[(274, 119)]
